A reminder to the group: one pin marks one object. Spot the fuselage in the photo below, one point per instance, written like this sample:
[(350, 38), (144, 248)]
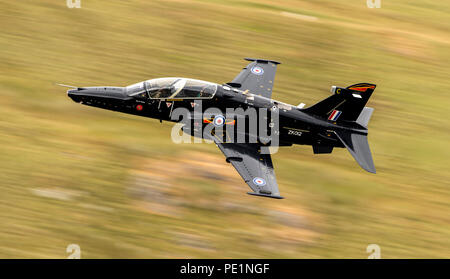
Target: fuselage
[(159, 98)]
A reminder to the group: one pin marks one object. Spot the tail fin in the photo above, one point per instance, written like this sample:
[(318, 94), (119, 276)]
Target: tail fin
[(358, 146), (346, 103)]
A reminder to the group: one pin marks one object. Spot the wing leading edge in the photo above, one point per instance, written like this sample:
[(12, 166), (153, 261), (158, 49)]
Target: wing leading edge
[(255, 168), (257, 77)]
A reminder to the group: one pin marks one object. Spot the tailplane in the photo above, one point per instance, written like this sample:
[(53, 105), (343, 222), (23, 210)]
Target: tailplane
[(358, 146)]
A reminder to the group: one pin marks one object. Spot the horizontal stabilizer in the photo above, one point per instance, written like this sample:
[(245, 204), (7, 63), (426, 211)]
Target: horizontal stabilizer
[(358, 146)]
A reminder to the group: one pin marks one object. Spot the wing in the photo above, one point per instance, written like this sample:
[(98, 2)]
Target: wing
[(255, 168), (257, 77)]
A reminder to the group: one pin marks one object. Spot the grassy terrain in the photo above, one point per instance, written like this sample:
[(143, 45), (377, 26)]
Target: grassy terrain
[(117, 186)]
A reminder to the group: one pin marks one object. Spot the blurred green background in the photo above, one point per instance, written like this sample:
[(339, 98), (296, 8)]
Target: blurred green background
[(118, 187)]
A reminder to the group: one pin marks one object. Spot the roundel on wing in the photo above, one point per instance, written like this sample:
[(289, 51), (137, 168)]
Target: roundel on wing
[(259, 181), (257, 70)]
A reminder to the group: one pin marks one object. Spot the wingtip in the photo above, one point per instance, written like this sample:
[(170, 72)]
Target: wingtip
[(265, 195), (262, 60)]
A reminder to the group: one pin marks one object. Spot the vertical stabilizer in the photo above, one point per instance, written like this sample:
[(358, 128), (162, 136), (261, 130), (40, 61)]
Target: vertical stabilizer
[(346, 104)]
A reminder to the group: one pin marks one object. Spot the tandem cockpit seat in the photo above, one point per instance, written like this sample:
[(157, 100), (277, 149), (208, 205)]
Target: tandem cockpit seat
[(172, 88)]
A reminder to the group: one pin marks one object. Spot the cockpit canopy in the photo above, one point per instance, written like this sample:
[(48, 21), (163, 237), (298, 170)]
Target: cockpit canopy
[(173, 88)]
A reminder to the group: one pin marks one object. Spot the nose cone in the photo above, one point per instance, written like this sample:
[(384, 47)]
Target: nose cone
[(106, 92)]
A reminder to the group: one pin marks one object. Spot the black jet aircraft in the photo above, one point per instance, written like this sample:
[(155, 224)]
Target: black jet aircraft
[(337, 121)]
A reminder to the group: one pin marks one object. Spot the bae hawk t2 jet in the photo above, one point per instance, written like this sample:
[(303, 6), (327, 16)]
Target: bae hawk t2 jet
[(338, 121)]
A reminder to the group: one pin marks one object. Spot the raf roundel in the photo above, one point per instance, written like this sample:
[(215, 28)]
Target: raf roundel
[(219, 121), (259, 181), (257, 70)]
